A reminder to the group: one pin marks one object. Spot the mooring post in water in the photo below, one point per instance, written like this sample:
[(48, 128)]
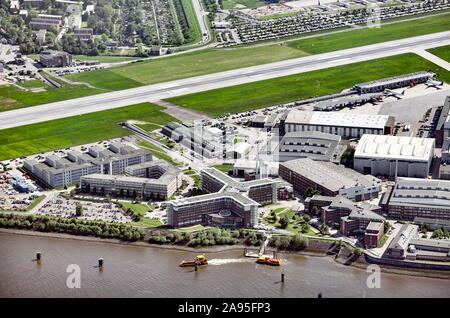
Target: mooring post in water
[(282, 277), (100, 263), (38, 256), (196, 267), (320, 295)]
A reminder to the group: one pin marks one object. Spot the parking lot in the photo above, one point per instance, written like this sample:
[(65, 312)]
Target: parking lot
[(63, 207)]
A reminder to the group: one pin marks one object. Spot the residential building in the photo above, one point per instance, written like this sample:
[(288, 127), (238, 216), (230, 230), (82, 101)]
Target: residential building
[(84, 34), (393, 156), (330, 179)]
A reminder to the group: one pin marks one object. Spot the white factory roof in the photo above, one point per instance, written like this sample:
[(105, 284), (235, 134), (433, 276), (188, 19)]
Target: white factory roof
[(340, 119), (240, 147), (395, 147), (214, 131)]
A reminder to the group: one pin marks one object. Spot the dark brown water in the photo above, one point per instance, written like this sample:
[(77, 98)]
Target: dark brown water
[(146, 272)]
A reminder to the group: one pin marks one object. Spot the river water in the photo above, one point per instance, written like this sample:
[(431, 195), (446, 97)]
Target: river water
[(132, 271)]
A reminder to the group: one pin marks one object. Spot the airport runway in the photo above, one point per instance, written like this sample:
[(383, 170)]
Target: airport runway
[(83, 105)]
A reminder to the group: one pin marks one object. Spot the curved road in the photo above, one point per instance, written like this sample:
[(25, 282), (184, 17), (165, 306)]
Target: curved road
[(159, 91)]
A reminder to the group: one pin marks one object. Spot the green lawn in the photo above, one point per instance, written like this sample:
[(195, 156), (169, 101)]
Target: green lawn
[(230, 4), (76, 130), (443, 52), (147, 222), (159, 152), (296, 87), (137, 208), (367, 36), (225, 168), (12, 97)]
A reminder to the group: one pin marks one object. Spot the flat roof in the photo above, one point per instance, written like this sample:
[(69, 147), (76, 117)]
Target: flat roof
[(395, 79), (339, 119), (243, 200), (395, 147), (427, 193), (330, 175), (233, 183), (375, 226), (431, 243)]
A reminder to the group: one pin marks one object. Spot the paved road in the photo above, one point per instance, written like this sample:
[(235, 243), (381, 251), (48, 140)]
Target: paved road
[(160, 91)]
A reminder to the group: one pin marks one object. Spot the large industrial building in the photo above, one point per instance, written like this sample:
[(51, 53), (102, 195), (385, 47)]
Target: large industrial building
[(394, 156), (330, 179), (413, 197), (46, 22), (149, 180), (56, 171), (347, 125), (309, 144)]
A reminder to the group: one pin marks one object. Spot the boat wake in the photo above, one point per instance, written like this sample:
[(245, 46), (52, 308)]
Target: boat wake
[(223, 261)]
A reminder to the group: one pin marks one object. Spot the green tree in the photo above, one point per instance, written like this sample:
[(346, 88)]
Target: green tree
[(310, 192), (79, 210), (324, 229), (284, 222)]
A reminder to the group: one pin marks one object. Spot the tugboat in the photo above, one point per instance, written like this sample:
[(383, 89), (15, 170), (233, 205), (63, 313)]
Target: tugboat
[(199, 260), (266, 260)]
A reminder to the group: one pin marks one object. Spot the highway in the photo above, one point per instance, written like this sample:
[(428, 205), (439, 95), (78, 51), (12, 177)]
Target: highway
[(196, 84)]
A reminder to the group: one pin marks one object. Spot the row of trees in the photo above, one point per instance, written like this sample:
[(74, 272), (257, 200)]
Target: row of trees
[(292, 243), (72, 226)]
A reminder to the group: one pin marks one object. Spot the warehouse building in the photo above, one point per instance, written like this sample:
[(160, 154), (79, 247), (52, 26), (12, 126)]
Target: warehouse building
[(149, 180), (394, 156), (394, 82), (346, 125), (226, 209), (46, 21), (309, 144), (56, 171), (433, 224), (442, 130), (330, 179), (52, 58), (412, 197), (399, 245)]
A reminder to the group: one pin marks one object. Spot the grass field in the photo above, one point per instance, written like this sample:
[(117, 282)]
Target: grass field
[(295, 87), (225, 168), (230, 4), (216, 60), (443, 52), (194, 27), (12, 97), (77, 130), (185, 65)]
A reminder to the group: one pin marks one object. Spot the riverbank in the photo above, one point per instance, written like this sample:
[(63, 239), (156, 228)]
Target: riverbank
[(341, 260)]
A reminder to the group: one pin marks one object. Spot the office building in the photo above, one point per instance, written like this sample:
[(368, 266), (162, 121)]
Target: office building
[(393, 156), (263, 191), (346, 125), (228, 209), (56, 171), (399, 245), (149, 180), (330, 179)]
